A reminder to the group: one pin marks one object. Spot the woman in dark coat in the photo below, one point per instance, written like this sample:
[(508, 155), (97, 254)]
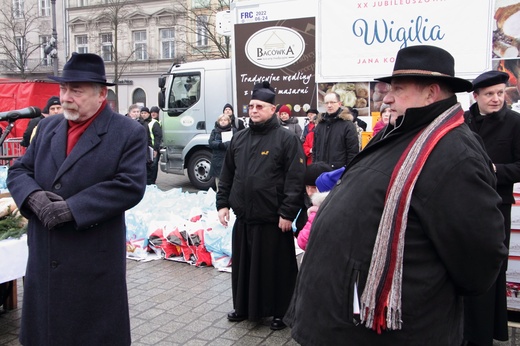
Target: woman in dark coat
[(289, 122), (218, 146)]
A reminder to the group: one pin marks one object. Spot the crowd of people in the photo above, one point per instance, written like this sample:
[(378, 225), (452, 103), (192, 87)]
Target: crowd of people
[(405, 240)]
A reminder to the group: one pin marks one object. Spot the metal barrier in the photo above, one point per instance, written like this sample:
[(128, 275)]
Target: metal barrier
[(11, 150)]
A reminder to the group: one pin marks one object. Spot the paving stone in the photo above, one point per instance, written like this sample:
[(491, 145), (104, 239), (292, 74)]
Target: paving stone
[(175, 304)]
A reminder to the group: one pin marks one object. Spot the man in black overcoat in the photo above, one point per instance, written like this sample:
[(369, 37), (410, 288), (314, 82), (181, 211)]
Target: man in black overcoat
[(485, 316), (82, 171)]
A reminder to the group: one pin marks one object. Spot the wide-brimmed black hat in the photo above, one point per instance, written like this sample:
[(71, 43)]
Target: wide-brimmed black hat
[(427, 62), (84, 67)]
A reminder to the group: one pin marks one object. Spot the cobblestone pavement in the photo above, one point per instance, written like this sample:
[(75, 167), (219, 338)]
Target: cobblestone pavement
[(175, 303)]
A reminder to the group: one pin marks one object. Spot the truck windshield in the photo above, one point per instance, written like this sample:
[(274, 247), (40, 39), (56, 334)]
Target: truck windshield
[(185, 90)]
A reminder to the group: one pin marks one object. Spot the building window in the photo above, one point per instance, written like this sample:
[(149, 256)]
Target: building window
[(200, 3), (202, 30), (45, 59), (106, 46), (81, 43), (45, 8), (167, 43), (111, 100), (139, 96), (82, 3), (20, 49), (140, 46), (17, 8)]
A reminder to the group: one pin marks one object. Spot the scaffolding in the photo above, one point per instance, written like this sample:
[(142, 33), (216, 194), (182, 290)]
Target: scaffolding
[(11, 150)]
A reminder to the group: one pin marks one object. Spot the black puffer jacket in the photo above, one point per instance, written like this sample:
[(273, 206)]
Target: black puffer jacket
[(336, 139)]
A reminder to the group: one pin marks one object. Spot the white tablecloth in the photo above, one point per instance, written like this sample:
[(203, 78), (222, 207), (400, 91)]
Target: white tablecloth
[(13, 258)]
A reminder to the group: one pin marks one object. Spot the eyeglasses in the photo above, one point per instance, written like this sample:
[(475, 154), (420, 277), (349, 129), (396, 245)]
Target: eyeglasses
[(331, 102), (258, 107)]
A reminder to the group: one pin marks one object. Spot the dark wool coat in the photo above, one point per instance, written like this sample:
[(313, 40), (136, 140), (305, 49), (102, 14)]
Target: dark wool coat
[(218, 148), (453, 241), (336, 139), (261, 180), (75, 284), (486, 316)]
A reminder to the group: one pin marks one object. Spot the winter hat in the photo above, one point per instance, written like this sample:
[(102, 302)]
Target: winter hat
[(155, 109), (145, 109), (227, 105), (383, 107), (53, 100), (263, 92), (285, 109), (313, 111), (427, 62), (490, 78), (327, 180), (84, 67), (354, 112), (313, 171)]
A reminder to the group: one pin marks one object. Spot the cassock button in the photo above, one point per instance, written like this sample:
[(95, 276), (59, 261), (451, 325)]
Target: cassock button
[(54, 264), (57, 186)]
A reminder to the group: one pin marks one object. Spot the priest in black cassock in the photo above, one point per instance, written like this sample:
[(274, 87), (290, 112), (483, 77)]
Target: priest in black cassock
[(262, 182)]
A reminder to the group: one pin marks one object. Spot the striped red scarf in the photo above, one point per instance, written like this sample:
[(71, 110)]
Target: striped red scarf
[(381, 299)]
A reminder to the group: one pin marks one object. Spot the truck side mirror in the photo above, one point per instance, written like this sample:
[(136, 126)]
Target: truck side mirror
[(162, 82), (161, 99)]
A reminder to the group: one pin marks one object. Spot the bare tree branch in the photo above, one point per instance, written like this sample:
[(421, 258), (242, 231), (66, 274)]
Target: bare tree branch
[(196, 29), (19, 38)]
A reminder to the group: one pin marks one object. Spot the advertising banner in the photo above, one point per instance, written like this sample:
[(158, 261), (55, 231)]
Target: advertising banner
[(281, 52), (369, 34), (506, 47)]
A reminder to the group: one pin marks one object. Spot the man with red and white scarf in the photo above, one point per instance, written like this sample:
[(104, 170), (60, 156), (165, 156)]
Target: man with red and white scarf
[(411, 227)]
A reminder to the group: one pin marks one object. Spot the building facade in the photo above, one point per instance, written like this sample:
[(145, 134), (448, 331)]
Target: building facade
[(138, 40)]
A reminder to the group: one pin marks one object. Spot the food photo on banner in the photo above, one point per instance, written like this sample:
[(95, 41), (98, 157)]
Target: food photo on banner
[(506, 47)]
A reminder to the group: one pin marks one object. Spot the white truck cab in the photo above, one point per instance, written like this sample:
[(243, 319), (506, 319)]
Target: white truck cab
[(192, 96)]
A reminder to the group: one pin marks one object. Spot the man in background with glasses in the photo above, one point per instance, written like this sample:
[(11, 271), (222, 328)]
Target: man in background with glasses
[(262, 181), (336, 139)]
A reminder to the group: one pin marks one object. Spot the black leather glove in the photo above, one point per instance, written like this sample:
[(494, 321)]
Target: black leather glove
[(55, 214), (37, 200), (53, 197)]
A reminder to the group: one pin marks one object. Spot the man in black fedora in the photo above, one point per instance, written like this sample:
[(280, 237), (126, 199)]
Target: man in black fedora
[(83, 169), (390, 255), (499, 127)]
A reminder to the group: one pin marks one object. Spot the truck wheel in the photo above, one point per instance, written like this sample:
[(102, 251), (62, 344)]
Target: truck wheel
[(198, 170)]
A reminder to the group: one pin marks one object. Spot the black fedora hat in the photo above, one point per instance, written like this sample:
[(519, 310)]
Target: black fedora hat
[(427, 62), (84, 67)]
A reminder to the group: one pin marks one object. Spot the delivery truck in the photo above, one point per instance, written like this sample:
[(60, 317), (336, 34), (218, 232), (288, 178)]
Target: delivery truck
[(306, 48)]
